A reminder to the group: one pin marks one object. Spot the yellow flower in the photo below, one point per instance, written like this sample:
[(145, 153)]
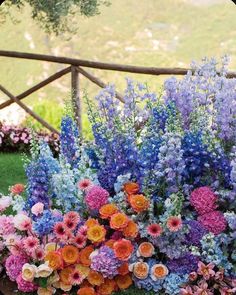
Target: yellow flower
[(29, 272), (51, 247), (44, 271), (96, 233), (84, 270), (65, 287)]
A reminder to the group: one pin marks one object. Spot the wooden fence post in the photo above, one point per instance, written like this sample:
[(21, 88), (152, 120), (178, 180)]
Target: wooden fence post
[(75, 96)]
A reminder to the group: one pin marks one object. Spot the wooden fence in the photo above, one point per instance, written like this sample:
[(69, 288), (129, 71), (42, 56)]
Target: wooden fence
[(76, 68)]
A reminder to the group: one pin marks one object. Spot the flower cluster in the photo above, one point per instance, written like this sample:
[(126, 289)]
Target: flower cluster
[(151, 202)]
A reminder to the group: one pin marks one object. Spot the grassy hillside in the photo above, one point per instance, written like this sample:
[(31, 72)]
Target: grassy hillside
[(151, 33)]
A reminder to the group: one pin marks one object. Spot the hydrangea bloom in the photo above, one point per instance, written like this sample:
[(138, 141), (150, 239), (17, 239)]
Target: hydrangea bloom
[(14, 264), (183, 265), (195, 234), (25, 286), (214, 221)]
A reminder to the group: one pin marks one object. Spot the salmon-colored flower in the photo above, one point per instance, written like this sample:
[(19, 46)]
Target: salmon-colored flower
[(140, 270), (123, 249), (70, 254), (119, 221), (139, 203), (145, 249), (110, 243), (123, 282), (154, 230), (91, 222), (76, 277), (65, 274), (174, 223), (96, 233), (123, 269), (17, 189), (106, 211), (131, 230), (159, 271), (84, 255)]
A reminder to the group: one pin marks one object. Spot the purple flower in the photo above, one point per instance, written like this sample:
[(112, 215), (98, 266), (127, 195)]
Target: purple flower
[(14, 264), (105, 262), (183, 265), (196, 232)]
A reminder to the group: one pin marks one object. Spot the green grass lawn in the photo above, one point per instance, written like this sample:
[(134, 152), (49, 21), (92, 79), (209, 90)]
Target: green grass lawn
[(11, 171)]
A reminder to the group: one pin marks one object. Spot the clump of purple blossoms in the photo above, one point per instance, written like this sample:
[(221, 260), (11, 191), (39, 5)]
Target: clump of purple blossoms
[(184, 264), (105, 262), (195, 234)]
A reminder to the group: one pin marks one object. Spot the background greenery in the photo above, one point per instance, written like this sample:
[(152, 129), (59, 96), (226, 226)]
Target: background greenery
[(150, 33)]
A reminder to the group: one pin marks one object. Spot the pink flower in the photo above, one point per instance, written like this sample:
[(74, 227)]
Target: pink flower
[(14, 266), (174, 223), (30, 244), (37, 208), (214, 221), (154, 230), (186, 291), (203, 199), (25, 286), (219, 275), (76, 278), (80, 240), (227, 291), (60, 230), (38, 253), (206, 270), (5, 202), (22, 222), (83, 230), (202, 289), (6, 225), (73, 216), (84, 184), (17, 189), (96, 197), (192, 276)]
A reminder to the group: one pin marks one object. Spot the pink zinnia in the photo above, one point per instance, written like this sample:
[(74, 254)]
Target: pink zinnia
[(80, 240), (13, 265), (73, 216), (154, 230), (30, 244), (60, 230), (25, 286), (76, 278), (84, 184), (214, 221), (174, 223), (17, 189), (38, 254), (83, 230), (96, 197), (203, 199)]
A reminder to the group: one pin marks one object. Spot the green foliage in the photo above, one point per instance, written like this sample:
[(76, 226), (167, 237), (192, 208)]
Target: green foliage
[(56, 16)]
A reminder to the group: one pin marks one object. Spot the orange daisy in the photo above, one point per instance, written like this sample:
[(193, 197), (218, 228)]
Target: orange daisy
[(131, 188), (84, 255), (123, 269), (65, 274), (95, 278), (107, 287), (91, 222), (54, 259), (86, 291)]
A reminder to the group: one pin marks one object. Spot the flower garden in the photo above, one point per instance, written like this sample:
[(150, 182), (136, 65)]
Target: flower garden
[(150, 204)]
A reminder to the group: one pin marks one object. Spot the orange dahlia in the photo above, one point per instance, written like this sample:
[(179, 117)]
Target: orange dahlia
[(123, 249), (123, 269), (131, 188), (131, 230), (118, 221), (86, 291), (95, 278), (96, 233), (124, 282), (70, 254), (139, 203), (91, 222), (65, 274), (107, 287), (84, 255), (106, 211), (54, 259)]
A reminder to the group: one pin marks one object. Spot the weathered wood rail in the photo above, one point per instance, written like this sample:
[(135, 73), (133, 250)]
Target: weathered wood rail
[(76, 68)]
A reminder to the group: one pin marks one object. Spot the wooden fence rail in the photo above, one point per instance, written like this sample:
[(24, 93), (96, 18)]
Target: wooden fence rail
[(76, 68)]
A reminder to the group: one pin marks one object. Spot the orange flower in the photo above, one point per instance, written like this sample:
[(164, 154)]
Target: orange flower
[(91, 222), (54, 259), (139, 203), (17, 189), (84, 255), (140, 270), (86, 291), (119, 221), (96, 233), (124, 282), (70, 254), (110, 243), (65, 274), (106, 211), (95, 278), (131, 230), (146, 249), (131, 188), (123, 249), (159, 271), (107, 287), (123, 269)]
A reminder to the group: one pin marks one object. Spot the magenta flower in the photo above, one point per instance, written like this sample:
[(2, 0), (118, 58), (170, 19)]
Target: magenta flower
[(214, 221), (96, 197), (206, 270)]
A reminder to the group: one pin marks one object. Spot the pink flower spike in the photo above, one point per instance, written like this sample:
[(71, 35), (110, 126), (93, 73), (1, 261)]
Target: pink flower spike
[(206, 270), (84, 184)]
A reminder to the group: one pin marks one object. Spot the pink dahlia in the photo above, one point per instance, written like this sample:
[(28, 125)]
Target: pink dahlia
[(214, 221), (25, 286), (6, 225), (13, 265), (96, 197), (203, 199), (30, 244)]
